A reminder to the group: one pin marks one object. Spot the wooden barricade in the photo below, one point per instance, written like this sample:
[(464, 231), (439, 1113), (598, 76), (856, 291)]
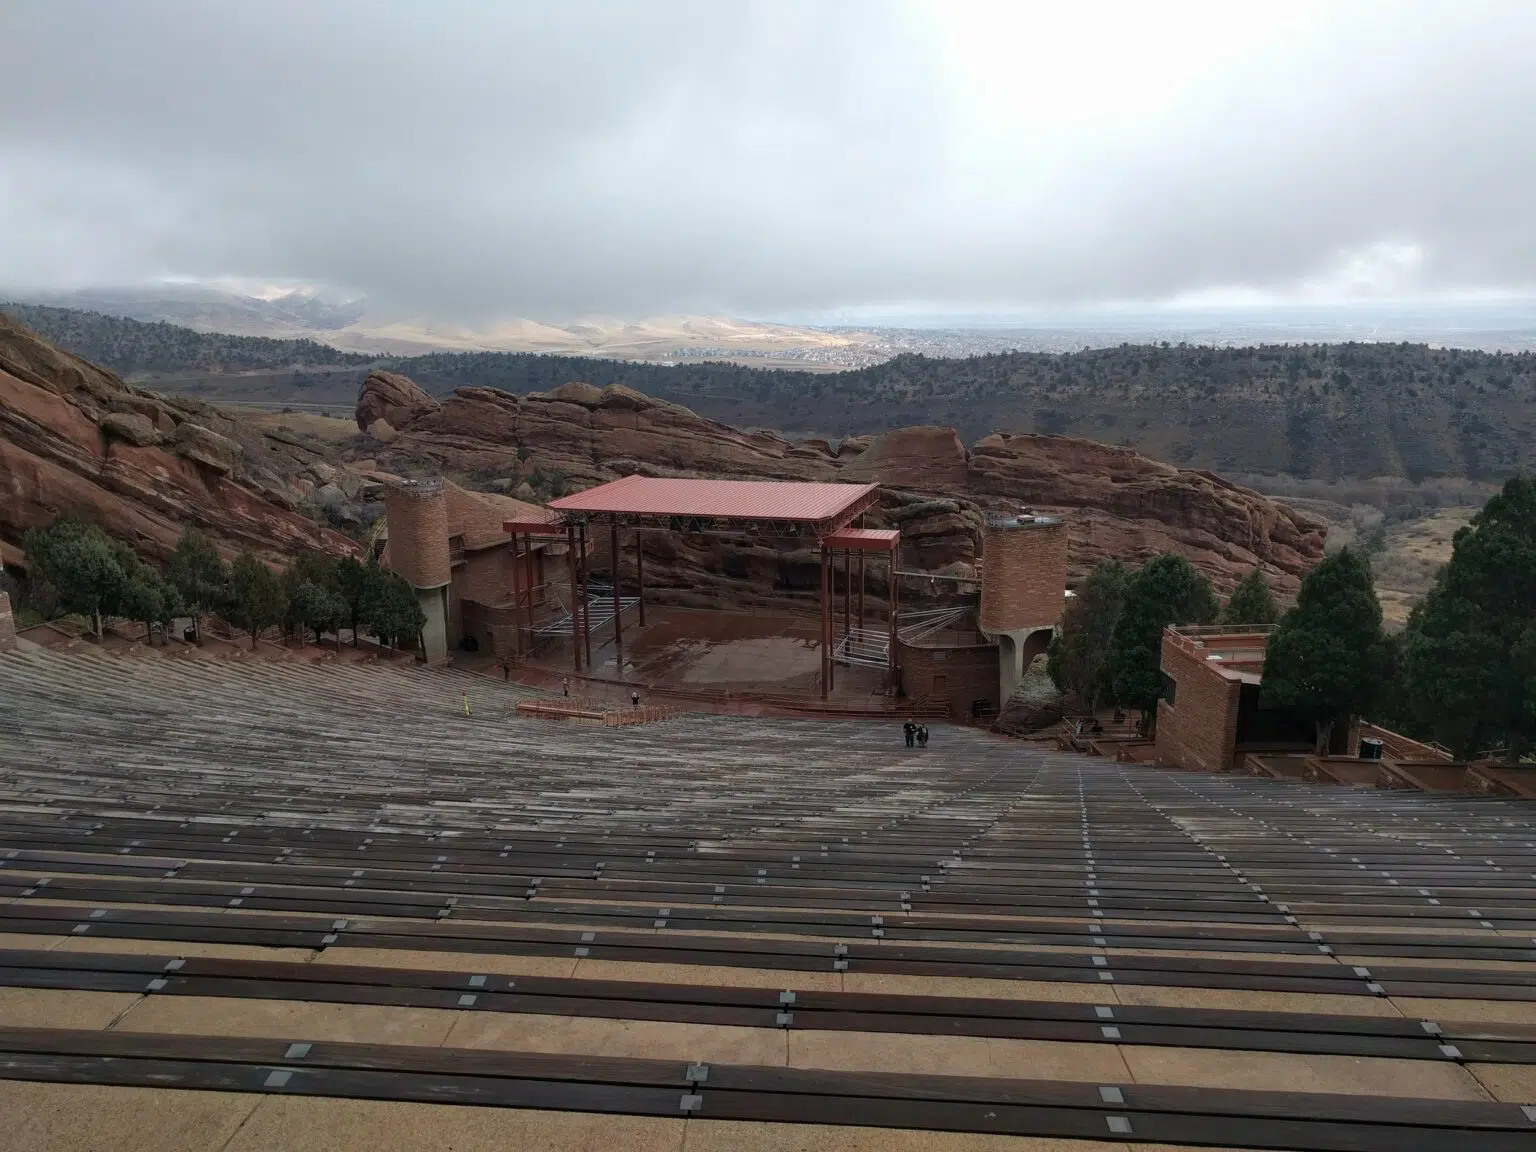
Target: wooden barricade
[(596, 712)]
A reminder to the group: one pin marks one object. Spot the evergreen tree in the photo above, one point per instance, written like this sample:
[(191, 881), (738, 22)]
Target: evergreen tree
[(395, 616), (200, 577), (358, 583), (1328, 659), (1167, 589), (313, 606), (256, 597), (314, 600), (147, 596), (82, 567), (1078, 661), (1470, 647), (1251, 602)]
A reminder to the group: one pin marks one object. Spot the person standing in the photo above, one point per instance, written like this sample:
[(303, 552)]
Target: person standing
[(634, 698), (909, 730), (922, 735), (565, 685)]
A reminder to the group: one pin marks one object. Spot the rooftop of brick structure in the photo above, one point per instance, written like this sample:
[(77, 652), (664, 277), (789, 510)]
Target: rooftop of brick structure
[(477, 517), (1235, 652)]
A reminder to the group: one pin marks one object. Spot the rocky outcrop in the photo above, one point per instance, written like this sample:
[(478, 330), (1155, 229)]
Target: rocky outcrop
[(75, 438), (393, 399), (1122, 505), (203, 446), (937, 491), (922, 459), (130, 427)]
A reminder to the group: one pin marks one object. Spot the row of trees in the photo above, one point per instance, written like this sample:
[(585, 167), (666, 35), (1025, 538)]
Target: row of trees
[(1109, 647), (1463, 672), (81, 570)]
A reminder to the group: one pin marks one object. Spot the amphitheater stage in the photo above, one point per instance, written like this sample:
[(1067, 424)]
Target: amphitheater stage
[(250, 906), (709, 652)]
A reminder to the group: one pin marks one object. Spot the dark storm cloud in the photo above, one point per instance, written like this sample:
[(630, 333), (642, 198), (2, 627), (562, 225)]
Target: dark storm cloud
[(461, 159)]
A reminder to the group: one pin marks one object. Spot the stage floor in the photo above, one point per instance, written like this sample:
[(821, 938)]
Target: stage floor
[(693, 649)]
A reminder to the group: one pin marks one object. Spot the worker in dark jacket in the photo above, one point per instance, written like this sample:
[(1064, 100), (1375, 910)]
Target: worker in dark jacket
[(909, 730)]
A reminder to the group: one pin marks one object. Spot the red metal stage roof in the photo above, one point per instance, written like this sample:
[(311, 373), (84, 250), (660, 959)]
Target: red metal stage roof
[(864, 539), (718, 499)]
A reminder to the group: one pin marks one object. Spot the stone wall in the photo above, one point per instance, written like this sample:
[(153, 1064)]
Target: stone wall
[(494, 629), (1197, 730), (7, 624), (958, 673)]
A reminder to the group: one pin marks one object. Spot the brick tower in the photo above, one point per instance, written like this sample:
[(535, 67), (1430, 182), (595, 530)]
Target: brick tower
[(1023, 586), (418, 551)]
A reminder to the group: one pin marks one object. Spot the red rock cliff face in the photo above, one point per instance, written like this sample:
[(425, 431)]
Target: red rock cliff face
[(1120, 504), (75, 438)]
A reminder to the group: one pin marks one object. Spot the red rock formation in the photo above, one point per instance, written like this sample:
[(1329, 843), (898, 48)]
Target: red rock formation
[(75, 438), (392, 398), (1119, 503), (923, 459)]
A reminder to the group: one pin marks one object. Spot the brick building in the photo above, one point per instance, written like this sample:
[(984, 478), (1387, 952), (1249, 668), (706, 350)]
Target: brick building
[(450, 544), (1210, 716), (955, 667)]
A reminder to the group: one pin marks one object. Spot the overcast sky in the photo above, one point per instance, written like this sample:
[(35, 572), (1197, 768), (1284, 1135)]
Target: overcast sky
[(477, 160)]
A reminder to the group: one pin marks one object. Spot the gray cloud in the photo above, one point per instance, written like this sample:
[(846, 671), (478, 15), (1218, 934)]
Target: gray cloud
[(474, 159)]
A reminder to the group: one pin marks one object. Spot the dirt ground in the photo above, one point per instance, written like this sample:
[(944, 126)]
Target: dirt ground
[(331, 429)]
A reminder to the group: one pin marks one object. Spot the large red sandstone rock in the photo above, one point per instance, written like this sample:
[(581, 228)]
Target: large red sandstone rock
[(922, 459), (1119, 504), (392, 398), (62, 450)]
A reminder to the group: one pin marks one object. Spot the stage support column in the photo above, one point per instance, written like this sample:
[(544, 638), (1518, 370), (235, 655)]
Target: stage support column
[(640, 571), (893, 607), (826, 625), (847, 591), (618, 615), (861, 591), (570, 563), (517, 605), (586, 605)]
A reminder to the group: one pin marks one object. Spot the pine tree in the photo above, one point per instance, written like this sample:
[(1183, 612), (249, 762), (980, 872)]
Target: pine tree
[(256, 596), (358, 583), (395, 615), (1167, 589), (1251, 602), (313, 606), (1078, 661), (1328, 659), (147, 596), (200, 576), (82, 566), (1470, 647)]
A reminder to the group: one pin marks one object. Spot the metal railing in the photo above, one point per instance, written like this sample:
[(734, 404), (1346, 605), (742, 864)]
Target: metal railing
[(599, 613)]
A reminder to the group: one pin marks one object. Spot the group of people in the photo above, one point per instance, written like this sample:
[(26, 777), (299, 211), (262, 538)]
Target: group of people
[(916, 734)]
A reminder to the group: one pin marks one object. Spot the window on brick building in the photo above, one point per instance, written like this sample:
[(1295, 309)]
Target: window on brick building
[(1170, 688)]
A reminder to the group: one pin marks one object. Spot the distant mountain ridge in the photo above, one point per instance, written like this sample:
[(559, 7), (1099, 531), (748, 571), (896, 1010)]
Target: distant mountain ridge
[(1325, 412), (135, 347), (353, 326)]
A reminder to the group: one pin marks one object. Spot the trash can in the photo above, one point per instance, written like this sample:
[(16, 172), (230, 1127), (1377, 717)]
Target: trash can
[(1370, 748)]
